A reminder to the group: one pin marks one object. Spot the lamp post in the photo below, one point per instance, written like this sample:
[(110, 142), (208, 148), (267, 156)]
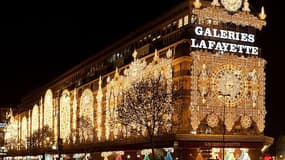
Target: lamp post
[(59, 140), (59, 147), (225, 96), (3, 148)]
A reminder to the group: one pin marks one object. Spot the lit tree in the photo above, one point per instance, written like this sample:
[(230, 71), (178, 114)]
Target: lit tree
[(147, 106), (11, 131), (85, 129), (43, 137)]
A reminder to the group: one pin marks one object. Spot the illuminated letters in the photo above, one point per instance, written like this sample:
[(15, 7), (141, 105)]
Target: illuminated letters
[(224, 46)]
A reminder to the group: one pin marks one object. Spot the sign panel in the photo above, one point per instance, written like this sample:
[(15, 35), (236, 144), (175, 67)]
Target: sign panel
[(224, 40), (3, 125)]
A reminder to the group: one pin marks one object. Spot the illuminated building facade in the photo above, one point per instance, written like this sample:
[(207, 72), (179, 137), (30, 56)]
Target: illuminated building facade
[(3, 125), (213, 76)]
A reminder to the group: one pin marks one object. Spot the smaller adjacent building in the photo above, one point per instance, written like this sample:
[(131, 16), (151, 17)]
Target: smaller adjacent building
[(280, 147), (4, 110)]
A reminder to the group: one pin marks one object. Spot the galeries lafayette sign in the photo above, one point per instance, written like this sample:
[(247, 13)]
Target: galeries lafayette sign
[(238, 40)]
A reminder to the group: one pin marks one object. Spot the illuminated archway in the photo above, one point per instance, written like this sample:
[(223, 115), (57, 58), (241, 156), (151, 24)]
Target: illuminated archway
[(35, 118), (86, 115), (65, 115), (48, 108), (24, 132)]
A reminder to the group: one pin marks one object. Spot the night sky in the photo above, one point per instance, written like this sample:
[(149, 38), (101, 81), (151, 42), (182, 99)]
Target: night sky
[(41, 41)]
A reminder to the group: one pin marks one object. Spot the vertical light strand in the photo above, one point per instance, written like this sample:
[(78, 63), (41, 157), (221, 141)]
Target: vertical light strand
[(74, 118), (40, 114), (120, 98), (55, 116), (111, 106), (169, 82), (29, 124), (17, 117), (64, 105), (99, 109), (116, 90), (115, 112), (107, 112)]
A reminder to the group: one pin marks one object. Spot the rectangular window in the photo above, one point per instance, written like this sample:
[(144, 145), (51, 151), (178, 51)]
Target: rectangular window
[(144, 50), (186, 20), (180, 23)]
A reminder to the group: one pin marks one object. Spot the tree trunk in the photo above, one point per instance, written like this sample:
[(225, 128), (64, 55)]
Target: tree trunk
[(150, 134), (152, 148)]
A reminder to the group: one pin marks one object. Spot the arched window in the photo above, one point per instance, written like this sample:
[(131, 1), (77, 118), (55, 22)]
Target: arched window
[(86, 116), (24, 132), (48, 108), (65, 116), (35, 118)]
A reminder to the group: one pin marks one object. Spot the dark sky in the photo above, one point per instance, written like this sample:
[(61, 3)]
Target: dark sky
[(41, 41), (37, 47)]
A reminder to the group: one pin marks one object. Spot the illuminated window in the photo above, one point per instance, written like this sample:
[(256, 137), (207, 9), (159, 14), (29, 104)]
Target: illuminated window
[(35, 118), (186, 20), (65, 115), (180, 23), (86, 115), (24, 131), (48, 108)]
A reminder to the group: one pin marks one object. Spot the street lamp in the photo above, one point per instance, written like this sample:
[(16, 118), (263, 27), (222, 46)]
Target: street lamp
[(57, 147), (53, 147)]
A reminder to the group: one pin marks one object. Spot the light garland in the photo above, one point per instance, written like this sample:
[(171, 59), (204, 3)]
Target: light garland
[(65, 115), (111, 106), (99, 109), (107, 112), (221, 15), (114, 113), (169, 80), (74, 111), (29, 124), (56, 118), (112, 94)]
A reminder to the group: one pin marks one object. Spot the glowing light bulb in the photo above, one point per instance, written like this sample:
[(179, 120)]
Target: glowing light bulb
[(262, 14)]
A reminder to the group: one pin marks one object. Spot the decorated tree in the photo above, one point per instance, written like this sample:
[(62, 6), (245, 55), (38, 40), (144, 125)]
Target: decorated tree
[(85, 129), (43, 137), (146, 106)]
